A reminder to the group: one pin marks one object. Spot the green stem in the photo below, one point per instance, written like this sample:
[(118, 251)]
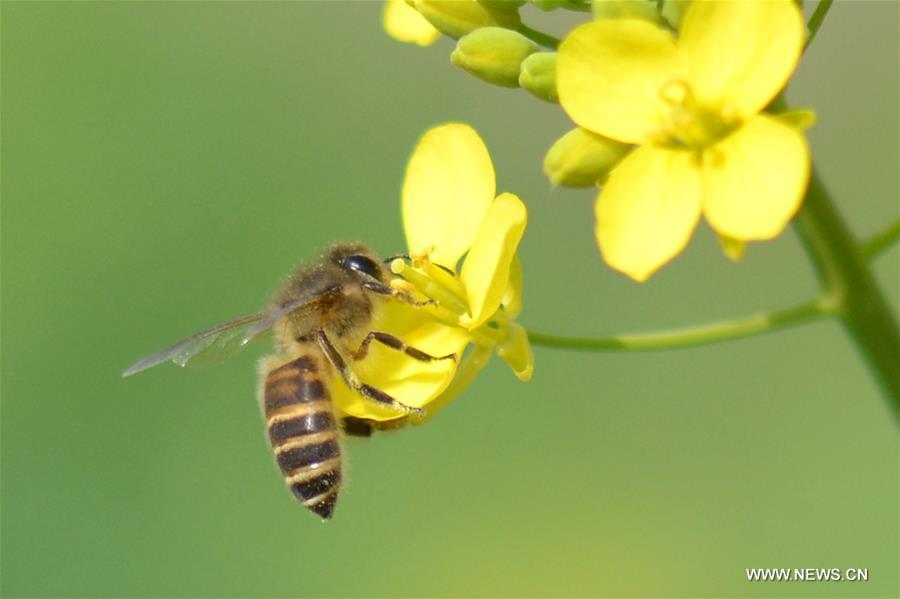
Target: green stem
[(815, 21), (844, 274), (877, 243), (702, 335), (539, 37)]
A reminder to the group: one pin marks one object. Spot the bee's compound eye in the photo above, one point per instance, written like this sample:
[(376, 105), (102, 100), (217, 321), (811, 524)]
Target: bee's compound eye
[(362, 264)]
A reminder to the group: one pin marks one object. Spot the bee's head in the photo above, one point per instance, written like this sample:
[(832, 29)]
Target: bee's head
[(359, 260)]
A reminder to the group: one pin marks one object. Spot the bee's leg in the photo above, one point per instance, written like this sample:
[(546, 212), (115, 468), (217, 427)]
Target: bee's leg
[(354, 383), (357, 427), (363, 427), (382, 289), (396, 343)]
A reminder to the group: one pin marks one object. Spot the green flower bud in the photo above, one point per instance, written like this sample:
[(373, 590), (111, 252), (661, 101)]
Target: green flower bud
[(493, 54), (733, 248), (673, 11), (581, 158), (627, 9), (509, 5), (548, 5), (538, 75), (459, 17), (799, 118)]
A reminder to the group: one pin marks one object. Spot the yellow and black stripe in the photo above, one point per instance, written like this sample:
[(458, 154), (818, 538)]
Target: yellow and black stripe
[(304, 433)]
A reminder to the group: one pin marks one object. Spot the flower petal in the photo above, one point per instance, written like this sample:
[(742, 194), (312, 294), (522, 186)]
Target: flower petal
[(404, 23), (648, 209), (410, 381), (516, 351), (512, 298), (485, 272), (448, 188), (609, 74), (739, 54), (754, 180), (471, 364)]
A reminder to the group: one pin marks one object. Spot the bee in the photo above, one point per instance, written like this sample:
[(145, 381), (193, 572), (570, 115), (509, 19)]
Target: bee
[(321, 313)]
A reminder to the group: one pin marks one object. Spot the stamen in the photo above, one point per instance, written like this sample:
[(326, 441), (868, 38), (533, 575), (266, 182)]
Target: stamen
[(688, 123), (430, 288), (676, 92), (445, 279)]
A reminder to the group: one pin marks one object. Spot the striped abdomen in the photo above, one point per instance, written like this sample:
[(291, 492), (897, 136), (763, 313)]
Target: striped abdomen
[(303, 432)]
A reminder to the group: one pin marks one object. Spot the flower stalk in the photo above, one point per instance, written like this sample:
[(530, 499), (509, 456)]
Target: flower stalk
[(882, 240), (539, 37), (718, 332), (815, 21), (840, 263)]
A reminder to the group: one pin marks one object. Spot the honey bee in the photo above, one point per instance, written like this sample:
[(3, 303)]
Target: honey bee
[(323, 308)]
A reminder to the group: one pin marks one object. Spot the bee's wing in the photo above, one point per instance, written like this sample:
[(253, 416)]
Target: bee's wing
[(218, 341), (184, 350)]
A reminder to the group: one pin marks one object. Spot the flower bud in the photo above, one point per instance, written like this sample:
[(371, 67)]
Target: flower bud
[(581, 158), (459, 17), (508, 5), (493, 54), (538, 75), (626, 9), (673, 11), (799, 118), (548, 5), (404, 23), (733, 248)]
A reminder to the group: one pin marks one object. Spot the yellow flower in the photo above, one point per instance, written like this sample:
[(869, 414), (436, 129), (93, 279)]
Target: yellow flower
[(449, 210), (404, 23), (692, 105)]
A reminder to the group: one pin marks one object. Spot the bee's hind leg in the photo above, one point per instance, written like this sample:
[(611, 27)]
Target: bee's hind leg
[(350, 378), (357, 427), (363, 427), (396, 343)]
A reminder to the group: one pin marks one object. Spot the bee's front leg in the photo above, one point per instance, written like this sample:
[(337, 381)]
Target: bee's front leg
[(382, 289)]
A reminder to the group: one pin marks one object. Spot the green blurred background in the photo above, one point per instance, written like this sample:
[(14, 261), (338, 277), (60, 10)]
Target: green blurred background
[(163, 165)]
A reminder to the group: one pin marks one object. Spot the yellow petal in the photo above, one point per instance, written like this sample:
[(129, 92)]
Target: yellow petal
[(410, 381), (648, 210), (516, 351), (404, 23), (755, 179), (512, 298), (739, 54), (609, 73), (472, 363), (448, 188), (485, 272)]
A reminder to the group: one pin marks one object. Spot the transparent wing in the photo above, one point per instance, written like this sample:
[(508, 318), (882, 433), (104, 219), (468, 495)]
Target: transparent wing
[(220, 341), (183, 351)]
